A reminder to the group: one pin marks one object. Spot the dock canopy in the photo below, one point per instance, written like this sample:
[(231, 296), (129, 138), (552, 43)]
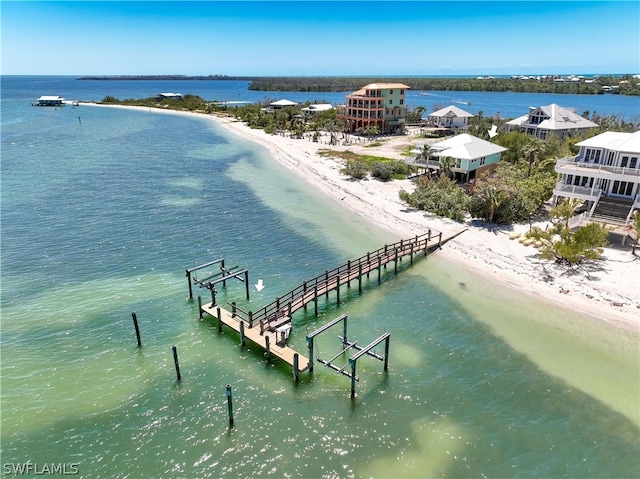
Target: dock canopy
[(49, 100)]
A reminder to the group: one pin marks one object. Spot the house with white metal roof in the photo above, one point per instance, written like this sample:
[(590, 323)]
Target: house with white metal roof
[(317, 107), (276, 105), (471, 155), (451, 117), (544, 121), (605, 174), (168, 96)]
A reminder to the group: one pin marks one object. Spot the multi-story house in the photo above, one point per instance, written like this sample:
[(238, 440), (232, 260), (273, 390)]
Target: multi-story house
[(451, 117), (377, 104), (606, 174), (544, 121)]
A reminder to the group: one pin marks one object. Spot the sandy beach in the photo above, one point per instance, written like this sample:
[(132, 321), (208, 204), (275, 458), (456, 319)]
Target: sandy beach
[(605, 289)]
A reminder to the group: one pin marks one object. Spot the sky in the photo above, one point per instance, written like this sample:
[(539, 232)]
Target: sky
[(316, 38)]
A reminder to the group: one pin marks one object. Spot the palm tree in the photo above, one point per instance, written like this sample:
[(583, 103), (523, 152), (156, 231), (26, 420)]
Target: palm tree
[(425, 153), (564, 211), (494, 198), (447, 163), (634, 228), (371, 130), (532, 150)]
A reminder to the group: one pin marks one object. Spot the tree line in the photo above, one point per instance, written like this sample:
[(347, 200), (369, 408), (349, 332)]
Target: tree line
[(626, 84)]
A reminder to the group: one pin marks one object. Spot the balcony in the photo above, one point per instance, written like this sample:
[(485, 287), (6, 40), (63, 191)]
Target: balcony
[(572, 166), (579, 192)]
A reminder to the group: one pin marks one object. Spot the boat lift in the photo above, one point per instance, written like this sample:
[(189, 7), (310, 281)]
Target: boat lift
[(347, 345), (210, 281)]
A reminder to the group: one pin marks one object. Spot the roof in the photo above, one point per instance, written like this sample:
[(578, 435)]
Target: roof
[(381, 86), (466, 147), (615, 141), (557, 118), (451, 111), (50, 97), (283, 102), (319, 107)]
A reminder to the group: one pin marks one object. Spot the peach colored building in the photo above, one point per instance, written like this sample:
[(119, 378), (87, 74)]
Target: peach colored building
[(377, 104)]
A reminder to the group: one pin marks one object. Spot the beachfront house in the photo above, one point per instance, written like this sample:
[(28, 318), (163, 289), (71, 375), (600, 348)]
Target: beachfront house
[(168, 96), (450, 117), (469, 156), (381, 105), (316, 108), (544, 121), (605, 174), (280, 104)]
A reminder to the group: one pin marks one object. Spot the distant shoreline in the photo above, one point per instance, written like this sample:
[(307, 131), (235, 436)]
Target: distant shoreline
[(627, 85)]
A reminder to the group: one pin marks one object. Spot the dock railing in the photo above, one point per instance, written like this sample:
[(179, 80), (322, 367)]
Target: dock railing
[(330, 280)]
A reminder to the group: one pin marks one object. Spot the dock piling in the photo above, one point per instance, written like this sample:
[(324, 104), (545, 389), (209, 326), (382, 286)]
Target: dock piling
[(242, 340), (135, 325), (230, 405), (188, 273), (296, 369), (315, 299), (353, 378), (326, 281), (395, 261), (267, 347), (175, 361), (200, 307)]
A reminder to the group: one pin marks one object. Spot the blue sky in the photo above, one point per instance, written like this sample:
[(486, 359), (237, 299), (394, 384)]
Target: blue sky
[(320, 38)]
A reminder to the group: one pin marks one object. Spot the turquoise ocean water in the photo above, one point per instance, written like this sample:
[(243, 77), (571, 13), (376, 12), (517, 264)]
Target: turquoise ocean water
[(102, 211)]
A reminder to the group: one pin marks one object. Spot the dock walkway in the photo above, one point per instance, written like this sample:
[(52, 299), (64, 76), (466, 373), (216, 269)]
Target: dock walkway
[(266, 326), (267, 340)]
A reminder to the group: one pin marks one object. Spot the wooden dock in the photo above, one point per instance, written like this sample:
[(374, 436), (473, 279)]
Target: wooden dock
[(266, 326), (267, 340)]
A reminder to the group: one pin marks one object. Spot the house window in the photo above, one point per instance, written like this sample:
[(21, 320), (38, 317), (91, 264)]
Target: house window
[(568, 180), (634, 162), (625, 161), (482, 160), (610, 157), (622, 188), (401, 101), (390, 92), (402, 91), (592, 156), (390, 102)]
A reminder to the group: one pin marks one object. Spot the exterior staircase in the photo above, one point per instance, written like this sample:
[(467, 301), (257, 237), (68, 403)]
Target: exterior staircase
[(612, 211)]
